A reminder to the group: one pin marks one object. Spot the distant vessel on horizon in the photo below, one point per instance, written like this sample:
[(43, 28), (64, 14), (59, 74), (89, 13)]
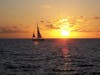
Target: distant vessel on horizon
[(38, 36)]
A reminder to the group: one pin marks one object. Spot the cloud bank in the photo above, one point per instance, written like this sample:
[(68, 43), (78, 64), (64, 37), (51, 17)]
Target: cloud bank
[(12, 29), (78, 24)]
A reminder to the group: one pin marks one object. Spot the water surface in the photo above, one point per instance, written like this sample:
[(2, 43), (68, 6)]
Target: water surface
[(50, 57)]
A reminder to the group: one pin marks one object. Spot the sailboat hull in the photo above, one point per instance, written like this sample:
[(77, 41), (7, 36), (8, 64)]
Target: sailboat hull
[(41, 39)]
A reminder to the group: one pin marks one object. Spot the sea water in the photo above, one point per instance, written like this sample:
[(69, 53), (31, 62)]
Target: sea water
[(50, 57)]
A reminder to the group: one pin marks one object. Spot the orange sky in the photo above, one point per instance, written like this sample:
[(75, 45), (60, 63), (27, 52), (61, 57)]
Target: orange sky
[(81, 18)]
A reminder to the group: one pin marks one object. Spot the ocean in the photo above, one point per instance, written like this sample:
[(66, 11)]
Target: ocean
[(50, 57)]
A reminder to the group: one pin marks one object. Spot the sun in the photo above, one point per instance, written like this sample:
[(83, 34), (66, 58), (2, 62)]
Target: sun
[(64, 27), (65, 33)]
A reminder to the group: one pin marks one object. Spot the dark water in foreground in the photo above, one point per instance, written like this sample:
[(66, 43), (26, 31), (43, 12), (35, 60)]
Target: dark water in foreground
[(50, 57)]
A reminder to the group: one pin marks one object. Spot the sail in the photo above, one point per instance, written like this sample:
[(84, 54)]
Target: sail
[(33, 35), (38, 32)]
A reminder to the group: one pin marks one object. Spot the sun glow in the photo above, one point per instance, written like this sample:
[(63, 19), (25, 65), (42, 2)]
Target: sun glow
[(64, 33), (64, 28)]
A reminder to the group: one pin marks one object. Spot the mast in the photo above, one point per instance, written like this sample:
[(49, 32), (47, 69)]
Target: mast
[(38, 32)]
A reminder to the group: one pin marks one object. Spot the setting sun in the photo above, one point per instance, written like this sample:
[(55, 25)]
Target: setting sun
[(64, 33)]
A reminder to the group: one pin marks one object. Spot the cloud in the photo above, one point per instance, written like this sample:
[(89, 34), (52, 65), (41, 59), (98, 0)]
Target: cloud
[(51, 26), (85, 24), (76, 24), (12, 29), (95, 17), (42, 21)]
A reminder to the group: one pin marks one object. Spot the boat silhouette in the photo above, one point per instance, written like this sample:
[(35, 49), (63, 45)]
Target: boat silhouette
[(38, 36)]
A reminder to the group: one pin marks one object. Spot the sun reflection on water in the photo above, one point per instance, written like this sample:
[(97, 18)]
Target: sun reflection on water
[(64, 51), (63, 45), (36, 43)]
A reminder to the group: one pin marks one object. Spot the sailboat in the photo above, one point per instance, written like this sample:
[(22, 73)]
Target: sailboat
[(39, 36)]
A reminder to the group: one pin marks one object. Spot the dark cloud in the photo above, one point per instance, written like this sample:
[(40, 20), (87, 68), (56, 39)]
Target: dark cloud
[(51, 26), (42, 21), (95, 17), (82, 17), (12, 29), (77, 24)]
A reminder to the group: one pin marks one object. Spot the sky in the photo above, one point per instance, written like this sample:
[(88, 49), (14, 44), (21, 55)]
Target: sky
[(18, 18)]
